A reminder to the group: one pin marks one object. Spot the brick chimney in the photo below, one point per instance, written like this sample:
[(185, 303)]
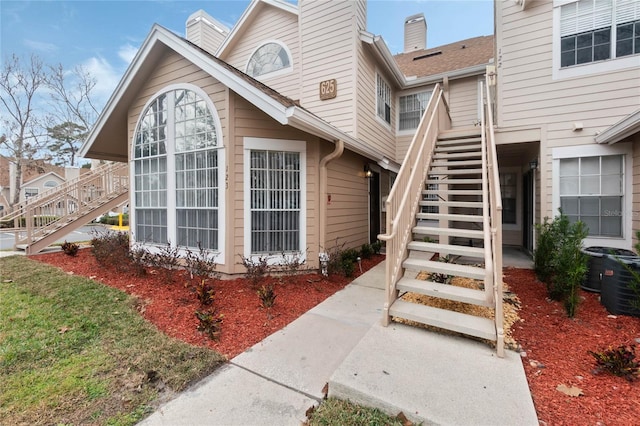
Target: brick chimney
[(415, 33)]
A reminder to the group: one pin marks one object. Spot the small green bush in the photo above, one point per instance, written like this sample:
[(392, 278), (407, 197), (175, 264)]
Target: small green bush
[(111, 249), (366, 251), (377, 247), (267, 295), (209, 323)]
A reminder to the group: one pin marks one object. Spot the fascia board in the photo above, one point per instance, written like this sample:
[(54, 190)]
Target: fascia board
[(622, 129)]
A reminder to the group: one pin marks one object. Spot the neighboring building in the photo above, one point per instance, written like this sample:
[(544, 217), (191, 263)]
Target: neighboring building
[(37, 178), (568, 99), (260, 142)]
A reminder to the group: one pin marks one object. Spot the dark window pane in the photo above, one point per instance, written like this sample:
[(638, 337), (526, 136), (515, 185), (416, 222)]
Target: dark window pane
[(585, 40), (568, 59), (624, 31), (637, 48), (624, 48), (636, 32), (568, 43), (602, 52), (602, 36), (584, 56)]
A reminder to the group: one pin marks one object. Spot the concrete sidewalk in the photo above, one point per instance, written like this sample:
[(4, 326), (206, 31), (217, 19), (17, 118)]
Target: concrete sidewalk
[(430, 377)]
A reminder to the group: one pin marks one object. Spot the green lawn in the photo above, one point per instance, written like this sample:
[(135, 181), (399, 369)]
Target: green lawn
[(73, 351)]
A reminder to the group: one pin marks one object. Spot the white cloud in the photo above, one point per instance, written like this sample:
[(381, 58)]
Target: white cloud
[(127, 53), (40, 46), (106, 76)]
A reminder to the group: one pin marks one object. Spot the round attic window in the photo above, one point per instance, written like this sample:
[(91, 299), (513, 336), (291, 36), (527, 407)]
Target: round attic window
[(268, 58)]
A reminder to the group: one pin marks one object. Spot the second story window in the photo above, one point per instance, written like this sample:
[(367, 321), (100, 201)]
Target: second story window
[(411, 109), (383, 100), (268, 58), (596, 30)]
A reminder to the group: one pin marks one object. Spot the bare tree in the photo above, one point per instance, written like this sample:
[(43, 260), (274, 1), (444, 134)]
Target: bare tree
[(23, 126), (71, 93)]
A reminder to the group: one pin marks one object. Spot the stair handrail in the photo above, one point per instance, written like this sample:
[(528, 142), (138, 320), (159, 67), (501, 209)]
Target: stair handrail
[(19, 209), (495, 205), (401, 207), (72, 201)]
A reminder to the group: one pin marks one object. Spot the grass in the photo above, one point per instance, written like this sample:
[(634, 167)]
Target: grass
[(336, 412), (73, 351)]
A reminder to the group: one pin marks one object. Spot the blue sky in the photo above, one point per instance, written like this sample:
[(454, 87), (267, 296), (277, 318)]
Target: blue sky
[(104, 35)]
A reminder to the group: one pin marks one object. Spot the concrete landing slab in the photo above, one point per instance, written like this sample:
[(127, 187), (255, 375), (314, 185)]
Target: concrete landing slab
[(435, 379), (233, 396)]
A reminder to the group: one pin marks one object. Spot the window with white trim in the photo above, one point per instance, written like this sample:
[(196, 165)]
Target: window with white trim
[(592, 190), (268, 58), (275, 197), (30, 192), (50, 184), (176, 171), (411, 108), (383, 99), (597, 30)]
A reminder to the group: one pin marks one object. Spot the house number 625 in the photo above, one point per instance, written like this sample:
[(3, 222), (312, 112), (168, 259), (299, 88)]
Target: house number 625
[(328, 89)]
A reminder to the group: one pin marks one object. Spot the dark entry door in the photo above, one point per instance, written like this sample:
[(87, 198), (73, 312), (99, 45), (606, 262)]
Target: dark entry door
[(374, 207), (527, 211)]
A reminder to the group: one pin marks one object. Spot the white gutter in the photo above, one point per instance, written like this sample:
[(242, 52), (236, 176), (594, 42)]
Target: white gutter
[(337, 152)]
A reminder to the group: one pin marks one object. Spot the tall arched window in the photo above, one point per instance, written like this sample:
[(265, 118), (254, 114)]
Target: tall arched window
[(269, 57), (177, 171)]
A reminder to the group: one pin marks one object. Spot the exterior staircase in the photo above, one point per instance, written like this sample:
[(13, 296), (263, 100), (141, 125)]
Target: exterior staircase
[(446, 223), (43, 219)]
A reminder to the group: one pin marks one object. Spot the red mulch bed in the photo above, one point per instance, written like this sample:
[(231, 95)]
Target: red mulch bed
[(171, 306), (561, 345), (556, 346)]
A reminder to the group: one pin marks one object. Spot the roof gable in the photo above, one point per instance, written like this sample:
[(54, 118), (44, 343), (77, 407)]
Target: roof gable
[(247, 17)]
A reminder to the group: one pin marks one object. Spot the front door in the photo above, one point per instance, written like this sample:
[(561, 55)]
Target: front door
[(527, 211), (374, 207)]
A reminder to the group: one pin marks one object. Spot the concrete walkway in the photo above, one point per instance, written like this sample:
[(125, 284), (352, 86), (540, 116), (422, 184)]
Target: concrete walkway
[(431, 378)]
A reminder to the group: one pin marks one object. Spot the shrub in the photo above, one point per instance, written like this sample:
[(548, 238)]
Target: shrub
[(165, 261), (366, 251), (559, 261), (377, 246), (111, 249), (618, 361), (267, 296), (292, 263), (70, 249), (204, 292), (201, 264), (209, 323), (257, 268)]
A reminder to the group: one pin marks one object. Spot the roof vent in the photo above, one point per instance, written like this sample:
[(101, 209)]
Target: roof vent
[(428, 55)]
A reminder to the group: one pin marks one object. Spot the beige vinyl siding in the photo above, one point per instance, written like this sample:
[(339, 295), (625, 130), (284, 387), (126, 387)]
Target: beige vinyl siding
[(402, 146), (328, 35), (463, 102), (348, 213), (528, 95), (271, 24), (251, 122), (371, 129)]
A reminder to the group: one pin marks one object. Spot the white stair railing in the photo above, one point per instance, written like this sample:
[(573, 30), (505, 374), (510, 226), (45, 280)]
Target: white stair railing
[(403, 200)]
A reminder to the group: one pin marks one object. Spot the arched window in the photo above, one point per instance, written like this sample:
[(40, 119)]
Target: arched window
[(269, 57), (176, 169), (50, 184)]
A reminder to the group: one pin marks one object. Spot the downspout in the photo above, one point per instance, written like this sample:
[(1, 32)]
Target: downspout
[(322, 241)]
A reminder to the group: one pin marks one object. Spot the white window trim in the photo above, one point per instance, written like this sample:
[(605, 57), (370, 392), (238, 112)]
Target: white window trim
[(518, 172), (423, 89), (218, 256), (375, 110), (581, 151), (605, 66), (282, 71), (274, 145), (44, 185), (33, 189)]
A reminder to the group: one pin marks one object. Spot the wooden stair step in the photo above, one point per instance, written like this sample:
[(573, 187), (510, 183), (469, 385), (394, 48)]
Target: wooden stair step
[(441, 156), (452, 232), (453, 181), (438, 172), (452, 191), (434, 266), (470, 325), (444, 291), (458, 141), (457, 148), (460, 133), (450, 217), (447, 249), (466, 204), (456, 163)]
